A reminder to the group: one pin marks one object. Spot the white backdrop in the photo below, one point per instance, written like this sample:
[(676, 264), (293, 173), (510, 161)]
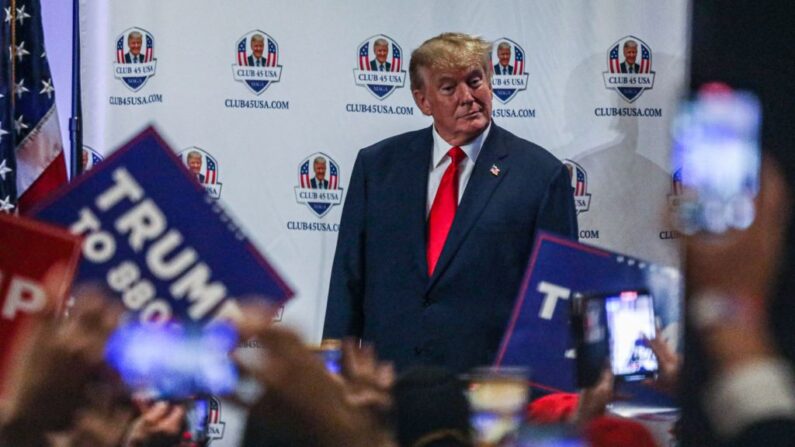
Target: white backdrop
[(619, 147)]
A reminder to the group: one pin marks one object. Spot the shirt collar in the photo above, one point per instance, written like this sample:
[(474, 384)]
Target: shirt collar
[(440, 146)]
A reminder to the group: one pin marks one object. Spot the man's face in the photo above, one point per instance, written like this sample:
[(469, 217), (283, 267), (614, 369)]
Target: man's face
[(504, 54), (320, 170), (257, 48), (629, 54), (381, 52), (135, 45), (458, 100), (195, 164)]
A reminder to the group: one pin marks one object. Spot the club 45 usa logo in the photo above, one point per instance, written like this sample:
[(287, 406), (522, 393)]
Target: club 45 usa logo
[(204, 169), (135, 58), (579, 182), (318, 183), (629, 68), (379, 65), (257, 61), (509, 76)]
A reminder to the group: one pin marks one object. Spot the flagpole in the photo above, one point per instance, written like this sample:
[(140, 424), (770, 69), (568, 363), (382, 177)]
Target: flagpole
[(75, 125)]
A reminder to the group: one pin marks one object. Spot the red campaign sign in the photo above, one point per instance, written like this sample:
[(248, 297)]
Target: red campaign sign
[(28, 251)]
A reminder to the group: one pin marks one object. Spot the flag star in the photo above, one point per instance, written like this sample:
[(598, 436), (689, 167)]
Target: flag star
[(21, 51), (47, 89), (2, 132), (19, 88), (19, 124), (22, 15), (6, 205), (43, 54), (8, 15), (4, 169)]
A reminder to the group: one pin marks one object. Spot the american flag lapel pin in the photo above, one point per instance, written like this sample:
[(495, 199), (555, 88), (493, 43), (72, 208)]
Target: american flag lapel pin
[(495, 171)]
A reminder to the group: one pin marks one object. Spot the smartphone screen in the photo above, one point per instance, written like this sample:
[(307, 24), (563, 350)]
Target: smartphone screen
[(716, 148), (630, 325), (174, 362)]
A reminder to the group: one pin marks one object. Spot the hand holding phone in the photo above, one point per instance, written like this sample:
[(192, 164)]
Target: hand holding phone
[(716, 148)]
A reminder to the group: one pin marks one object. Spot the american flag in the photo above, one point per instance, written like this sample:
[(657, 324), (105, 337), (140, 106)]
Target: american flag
[(333, 180), (395, 58), (150, 45), (273, 56), (645, 59), (214, 411), (241, 53), (120, 50), (364, 56), (615, 65), (210, 174), (579, 188), (31, 152), (305, 175), (518, 67)]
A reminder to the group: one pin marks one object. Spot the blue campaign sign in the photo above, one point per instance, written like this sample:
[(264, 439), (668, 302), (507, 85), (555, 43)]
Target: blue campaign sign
[(538, 334), (154, 238)]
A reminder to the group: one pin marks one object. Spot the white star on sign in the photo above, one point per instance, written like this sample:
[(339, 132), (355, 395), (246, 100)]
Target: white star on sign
[(22, 15), (4, 169), (21, 51), (19, 88), (2, 132), (8, 15), (47, 89), (5, 204), (19, 124)]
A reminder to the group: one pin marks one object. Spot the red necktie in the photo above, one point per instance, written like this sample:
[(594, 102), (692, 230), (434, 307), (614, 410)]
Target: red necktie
[(443, 209)]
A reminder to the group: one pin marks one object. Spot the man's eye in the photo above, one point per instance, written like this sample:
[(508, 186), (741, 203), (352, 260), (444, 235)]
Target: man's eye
[(475, 82)]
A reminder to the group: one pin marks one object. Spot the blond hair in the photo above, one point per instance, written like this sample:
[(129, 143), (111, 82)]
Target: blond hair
[(449, 51)]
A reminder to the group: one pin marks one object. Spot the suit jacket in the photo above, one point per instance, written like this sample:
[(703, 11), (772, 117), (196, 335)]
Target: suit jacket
[(380, 289), (252, 61), (498, 69), (128, 58), (625, 68), (199, 177), (374, 65), (314, 183)]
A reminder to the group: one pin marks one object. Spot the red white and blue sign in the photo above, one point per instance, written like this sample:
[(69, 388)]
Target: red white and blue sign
[(204, 169), (509, 75), (318, 183), (629, 68), (257, 61), (90, 158), (538, 333), (379, 66), (135, 61), (579, 183), (155, 240)]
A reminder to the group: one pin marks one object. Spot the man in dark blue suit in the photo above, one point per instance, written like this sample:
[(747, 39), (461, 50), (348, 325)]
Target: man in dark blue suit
[(503, 67), (381, 50), (134, 43), (438, 223), (255, 59), (319, 180), (630, 50)]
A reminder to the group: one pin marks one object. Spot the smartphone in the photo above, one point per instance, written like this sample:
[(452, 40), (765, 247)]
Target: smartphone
[(589, 326), (716, 149), (630, 325), (174, 362), (614, 329)]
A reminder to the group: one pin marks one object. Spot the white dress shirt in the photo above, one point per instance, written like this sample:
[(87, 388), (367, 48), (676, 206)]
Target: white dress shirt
[(440, 161)]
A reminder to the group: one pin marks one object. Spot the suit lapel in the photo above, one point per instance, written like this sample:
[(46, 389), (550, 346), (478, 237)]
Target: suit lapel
[(478, 191), (415, 190)]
